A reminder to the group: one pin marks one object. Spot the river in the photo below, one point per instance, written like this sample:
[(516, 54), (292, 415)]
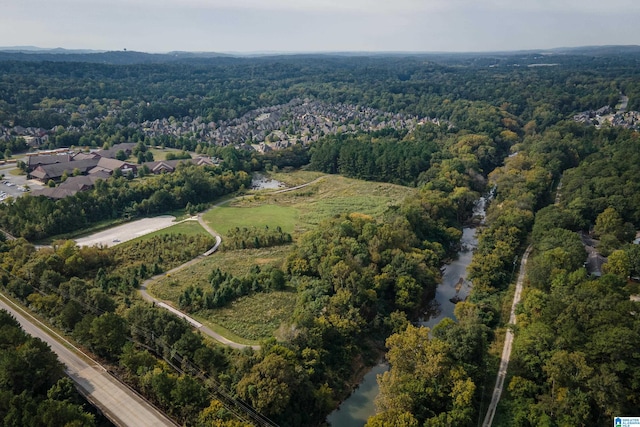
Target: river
[(355, 411)]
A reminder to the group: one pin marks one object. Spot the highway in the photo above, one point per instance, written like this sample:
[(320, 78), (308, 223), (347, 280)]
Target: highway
[(117, 402)]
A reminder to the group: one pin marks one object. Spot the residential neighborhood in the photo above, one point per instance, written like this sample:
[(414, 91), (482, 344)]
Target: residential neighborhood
[(618, 116), (279, 126)]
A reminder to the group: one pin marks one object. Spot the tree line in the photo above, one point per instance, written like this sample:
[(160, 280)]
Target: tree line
[(117, 198)]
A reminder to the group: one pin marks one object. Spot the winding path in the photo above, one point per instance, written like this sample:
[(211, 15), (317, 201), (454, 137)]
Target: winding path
[(199, 326), (508, 342)]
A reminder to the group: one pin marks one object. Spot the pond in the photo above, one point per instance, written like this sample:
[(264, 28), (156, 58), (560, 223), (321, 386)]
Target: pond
[(261, 182)]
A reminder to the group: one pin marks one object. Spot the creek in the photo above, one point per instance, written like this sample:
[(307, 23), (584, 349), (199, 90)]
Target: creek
[(358, 407)]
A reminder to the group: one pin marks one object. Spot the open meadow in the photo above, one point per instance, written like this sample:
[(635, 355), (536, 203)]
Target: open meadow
[(300, 210)]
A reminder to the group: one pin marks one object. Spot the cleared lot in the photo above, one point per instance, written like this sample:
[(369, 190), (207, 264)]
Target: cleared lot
[(128, 231)]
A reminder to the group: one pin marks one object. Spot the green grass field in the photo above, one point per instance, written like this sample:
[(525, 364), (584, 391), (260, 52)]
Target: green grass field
[(161, 154), (224, 218), (236, 263), (301, 210), (247, 319), (254, 317)]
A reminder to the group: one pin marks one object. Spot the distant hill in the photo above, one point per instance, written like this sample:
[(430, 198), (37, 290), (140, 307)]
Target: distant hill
[(35, 49), (123, 57), (112, 57), (599, 50)]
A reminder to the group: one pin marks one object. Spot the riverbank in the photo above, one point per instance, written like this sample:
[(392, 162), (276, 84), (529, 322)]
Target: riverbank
[(454, 287)]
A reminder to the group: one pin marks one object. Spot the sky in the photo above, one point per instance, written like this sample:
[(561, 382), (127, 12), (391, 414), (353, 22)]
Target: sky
[(318, 25)]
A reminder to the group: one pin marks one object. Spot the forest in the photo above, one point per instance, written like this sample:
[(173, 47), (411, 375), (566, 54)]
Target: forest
[(360, 282)]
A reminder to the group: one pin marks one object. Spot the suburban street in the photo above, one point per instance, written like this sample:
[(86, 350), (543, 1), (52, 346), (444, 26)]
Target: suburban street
[(508, 342), (117, 402)]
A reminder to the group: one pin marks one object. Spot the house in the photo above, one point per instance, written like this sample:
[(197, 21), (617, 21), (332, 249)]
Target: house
[(161, 166), (169, 166)]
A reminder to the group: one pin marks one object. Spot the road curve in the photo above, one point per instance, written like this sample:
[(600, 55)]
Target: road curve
[(508, 342), (118, 403)]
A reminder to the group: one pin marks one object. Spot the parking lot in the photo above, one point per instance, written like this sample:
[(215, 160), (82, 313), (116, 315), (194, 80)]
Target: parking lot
[(129, 231), (14, 185)]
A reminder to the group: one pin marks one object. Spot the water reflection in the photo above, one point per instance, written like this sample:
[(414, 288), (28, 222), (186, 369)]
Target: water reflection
[(360, 405), (261, 182)]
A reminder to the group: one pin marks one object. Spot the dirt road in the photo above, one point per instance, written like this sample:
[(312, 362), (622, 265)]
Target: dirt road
[(508, 342)]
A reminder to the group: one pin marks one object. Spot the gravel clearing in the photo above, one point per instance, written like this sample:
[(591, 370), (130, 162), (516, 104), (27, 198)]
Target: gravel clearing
[(128, 231)]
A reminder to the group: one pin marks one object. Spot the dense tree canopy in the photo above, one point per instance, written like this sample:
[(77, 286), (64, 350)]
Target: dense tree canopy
[(358, 280), (33, 388)]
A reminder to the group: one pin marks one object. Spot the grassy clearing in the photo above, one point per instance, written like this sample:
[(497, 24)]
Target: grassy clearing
[(236, 263), (161, 154), (333, 195), (254, 317), (246, 320), (258, 316), (293, 179), (189, 228), (226, 217)]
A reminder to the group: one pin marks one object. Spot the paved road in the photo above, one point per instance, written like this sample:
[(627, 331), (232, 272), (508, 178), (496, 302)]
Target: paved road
[(116, 401), (508, 342)]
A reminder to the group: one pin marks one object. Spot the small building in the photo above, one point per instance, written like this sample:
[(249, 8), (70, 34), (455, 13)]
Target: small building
[(127, 147), (37, 160)]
